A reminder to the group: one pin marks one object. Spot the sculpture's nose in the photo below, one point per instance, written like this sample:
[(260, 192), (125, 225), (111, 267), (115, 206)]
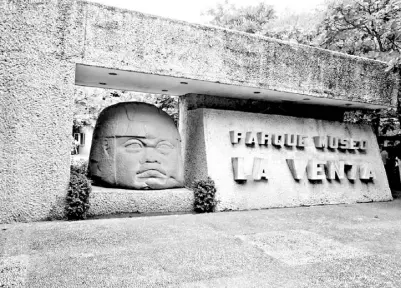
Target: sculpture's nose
[(150, 156)]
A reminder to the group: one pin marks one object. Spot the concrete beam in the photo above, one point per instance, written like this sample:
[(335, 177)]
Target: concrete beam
[(129, 40)]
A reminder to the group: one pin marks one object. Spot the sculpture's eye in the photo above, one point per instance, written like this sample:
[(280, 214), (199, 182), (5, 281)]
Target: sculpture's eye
[(164, 147), (133, 145)]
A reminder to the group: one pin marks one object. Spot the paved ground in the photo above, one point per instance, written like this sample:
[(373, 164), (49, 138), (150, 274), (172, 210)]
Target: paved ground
[(326, 246)]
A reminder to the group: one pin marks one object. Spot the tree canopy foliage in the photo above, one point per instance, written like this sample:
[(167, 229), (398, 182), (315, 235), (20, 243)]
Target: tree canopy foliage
[(370, 28), (89, 102), (250, 19)]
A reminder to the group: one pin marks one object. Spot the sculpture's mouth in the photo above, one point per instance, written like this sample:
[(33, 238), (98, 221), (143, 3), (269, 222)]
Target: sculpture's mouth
[(151, 173), (151, 170)]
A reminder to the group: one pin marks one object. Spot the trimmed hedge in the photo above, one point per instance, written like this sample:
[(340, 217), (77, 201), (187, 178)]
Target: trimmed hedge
[(205, 196), (79, 189)]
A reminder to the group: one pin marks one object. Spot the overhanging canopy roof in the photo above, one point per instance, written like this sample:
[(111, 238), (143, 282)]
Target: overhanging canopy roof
[(94, 76)]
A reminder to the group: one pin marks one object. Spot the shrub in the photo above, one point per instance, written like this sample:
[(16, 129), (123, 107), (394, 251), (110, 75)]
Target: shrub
[(77, 201), (204, 192), (79, 166)]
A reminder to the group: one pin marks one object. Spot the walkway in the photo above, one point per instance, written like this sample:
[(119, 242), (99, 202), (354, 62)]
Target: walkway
[(355, 245)]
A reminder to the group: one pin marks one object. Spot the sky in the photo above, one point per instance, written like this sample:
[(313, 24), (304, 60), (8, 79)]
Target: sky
[(189, 10)]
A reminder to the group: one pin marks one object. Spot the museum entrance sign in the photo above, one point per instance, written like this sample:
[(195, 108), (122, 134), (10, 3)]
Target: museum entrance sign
[(262, 161), (79, 43)]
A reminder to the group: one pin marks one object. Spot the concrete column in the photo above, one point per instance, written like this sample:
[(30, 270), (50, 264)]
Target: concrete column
[(42, 43)]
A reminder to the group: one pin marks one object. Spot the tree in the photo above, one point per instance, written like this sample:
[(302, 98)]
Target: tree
[(168, 104), (250, 19), (262, 20), (89, 102), (301, 28), (368, 28)]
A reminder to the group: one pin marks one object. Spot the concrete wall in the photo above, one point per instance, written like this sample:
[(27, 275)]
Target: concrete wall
[(108, 201), (209, 152), (42, 40), (40, 45)]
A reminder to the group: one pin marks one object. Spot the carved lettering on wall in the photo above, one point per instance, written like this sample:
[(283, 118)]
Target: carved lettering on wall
[(297, 168), (296, 140), (315, 170), (335, 170), (259, 169), (238, 168)]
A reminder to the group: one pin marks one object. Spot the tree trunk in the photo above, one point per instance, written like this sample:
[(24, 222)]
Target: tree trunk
[(398, 71)]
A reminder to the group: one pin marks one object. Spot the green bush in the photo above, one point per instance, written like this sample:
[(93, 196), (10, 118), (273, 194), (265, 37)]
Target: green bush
[(204, 192), (77, 201), (80, 166)]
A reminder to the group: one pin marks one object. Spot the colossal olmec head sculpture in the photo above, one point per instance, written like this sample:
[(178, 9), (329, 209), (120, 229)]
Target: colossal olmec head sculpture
[(136, 146)]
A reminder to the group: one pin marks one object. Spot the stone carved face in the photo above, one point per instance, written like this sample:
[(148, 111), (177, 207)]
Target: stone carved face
[(136, 146)]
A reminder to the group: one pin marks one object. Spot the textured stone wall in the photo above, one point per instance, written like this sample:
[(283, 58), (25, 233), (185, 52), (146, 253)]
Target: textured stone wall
[(109, 201), (42, 40), (39, 46)]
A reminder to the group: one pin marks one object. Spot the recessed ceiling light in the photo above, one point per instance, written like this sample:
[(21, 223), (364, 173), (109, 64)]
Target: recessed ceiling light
[(102, 83), (184, 83), (348, 104), (112, 73), (306, 99), (256, 92), (164, 90)]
